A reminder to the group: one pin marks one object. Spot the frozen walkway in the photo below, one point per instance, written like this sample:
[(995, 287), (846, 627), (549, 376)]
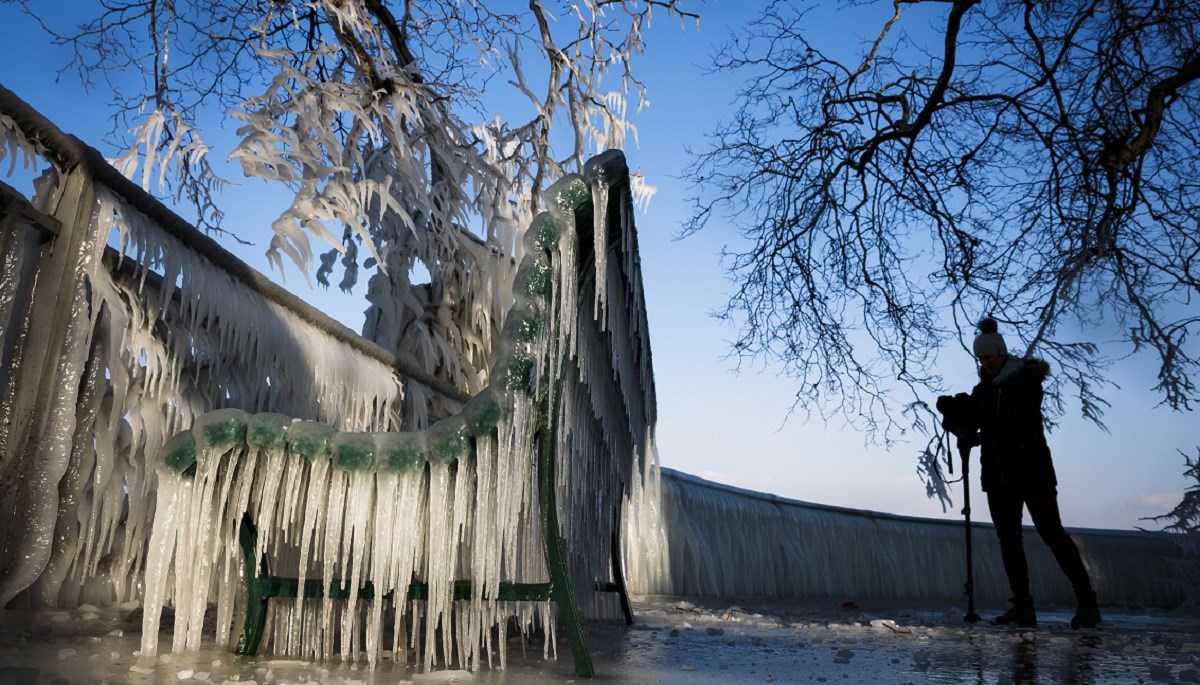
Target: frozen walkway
[(675, 641)]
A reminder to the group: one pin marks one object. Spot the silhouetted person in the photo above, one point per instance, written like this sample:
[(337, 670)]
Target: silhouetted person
[(1017, 472)]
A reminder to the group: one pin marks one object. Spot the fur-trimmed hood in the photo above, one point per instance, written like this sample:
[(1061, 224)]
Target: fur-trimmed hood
[(1039, 369)]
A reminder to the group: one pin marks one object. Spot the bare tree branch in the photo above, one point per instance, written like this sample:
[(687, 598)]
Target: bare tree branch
[(1039, 167)]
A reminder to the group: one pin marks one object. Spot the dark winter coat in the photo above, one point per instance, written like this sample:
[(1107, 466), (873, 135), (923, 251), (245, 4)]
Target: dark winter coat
[(1008, 410)]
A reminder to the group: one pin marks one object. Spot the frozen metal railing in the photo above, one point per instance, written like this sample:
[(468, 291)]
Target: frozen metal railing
[(103, 359), (66, 152)]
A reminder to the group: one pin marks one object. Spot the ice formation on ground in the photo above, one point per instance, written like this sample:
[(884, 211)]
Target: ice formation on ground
[(675, 641)]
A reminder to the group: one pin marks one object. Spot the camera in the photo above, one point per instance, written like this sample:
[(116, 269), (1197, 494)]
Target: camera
[(956, 414)]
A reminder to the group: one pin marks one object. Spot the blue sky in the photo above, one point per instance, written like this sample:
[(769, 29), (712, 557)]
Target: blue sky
[(713, 422)]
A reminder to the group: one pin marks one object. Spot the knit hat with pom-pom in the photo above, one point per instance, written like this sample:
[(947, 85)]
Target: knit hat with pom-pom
[(989, 343)]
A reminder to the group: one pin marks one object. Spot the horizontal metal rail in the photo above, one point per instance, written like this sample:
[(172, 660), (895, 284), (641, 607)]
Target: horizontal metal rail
[(314, 588), (14, 204)]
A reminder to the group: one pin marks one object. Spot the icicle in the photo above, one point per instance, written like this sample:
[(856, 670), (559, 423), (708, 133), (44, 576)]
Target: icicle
[(175, 493), (600, 243)]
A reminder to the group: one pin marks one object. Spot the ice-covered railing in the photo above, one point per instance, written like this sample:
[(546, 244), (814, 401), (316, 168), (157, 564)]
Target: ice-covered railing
[(431, 541), (119, 323), (804, 550)]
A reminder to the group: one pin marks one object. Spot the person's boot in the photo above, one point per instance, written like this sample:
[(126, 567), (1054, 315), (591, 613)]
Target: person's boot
[(1087, 615), (1020, 614)]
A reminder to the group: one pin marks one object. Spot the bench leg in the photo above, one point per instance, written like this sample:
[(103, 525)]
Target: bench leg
[(256, 603), (560, 583), (560, 592), (617, 571)]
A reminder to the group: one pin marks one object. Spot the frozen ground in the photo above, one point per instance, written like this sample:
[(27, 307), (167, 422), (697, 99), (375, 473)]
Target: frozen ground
[(675, 641)]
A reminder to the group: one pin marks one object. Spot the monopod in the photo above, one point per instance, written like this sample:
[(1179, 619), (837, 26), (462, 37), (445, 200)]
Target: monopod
[(969, 586)]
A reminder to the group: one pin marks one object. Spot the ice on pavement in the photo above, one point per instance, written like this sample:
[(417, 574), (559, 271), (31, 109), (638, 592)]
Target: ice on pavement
[(675, 641)]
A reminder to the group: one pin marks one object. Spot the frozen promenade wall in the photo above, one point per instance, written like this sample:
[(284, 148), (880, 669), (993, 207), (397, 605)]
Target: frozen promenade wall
[(726, 541)]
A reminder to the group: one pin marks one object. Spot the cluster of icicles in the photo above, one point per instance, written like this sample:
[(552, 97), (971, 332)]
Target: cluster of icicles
[(350, 508), (455, 502)]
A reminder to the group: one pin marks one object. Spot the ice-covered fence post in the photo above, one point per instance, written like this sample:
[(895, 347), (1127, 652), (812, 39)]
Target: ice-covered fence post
[(40, 391), (22, 230)]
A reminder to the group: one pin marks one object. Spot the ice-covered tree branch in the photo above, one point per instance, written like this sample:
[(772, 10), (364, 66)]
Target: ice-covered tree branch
[(390, 124)]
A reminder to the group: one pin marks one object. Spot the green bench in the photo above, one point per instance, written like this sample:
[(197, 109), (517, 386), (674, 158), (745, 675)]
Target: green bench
[(461, 520)]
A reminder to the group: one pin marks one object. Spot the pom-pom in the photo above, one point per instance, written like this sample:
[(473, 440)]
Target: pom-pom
[(988, 325)]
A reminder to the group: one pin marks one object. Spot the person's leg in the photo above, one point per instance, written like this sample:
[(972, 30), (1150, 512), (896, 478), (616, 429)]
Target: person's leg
[(1006, 508), (1043, 509)]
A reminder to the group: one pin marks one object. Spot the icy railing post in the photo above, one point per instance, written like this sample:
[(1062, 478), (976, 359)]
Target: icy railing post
[(39, 399)]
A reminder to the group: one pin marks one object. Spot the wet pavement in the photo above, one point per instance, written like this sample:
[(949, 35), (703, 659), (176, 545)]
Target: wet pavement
[(674, 640)]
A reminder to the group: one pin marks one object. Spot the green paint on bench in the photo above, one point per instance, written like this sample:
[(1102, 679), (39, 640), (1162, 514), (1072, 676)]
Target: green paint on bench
[(274, 586), (311, 439), (528, 323), (401, 458), (354, 451), (483, 413), (223, 429), (546, 233), (536, 279), (261, 587), (268, 431), (519, 375), (179, 454), (570, 193), (447, 446)]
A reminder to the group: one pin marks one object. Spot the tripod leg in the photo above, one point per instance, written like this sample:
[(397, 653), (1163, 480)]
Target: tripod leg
[(970, 616)]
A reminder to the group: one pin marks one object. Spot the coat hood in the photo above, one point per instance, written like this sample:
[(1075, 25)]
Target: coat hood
[(1038, 368)]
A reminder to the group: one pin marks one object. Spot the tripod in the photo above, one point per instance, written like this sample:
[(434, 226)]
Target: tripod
[(969, 586)]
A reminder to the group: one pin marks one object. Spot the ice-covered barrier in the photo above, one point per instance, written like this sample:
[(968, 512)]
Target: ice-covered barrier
[(119, 323), (804, 550), (446, 533)]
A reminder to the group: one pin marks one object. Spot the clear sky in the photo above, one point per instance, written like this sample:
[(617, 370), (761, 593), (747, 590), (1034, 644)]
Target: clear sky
[(715, 423)]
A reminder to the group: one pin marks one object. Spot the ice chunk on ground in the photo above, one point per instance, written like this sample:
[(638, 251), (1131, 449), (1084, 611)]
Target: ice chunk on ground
[(444, 677), (891, 625)]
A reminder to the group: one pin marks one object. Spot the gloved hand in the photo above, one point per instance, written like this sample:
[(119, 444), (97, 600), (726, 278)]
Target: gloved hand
[(967, 441)]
